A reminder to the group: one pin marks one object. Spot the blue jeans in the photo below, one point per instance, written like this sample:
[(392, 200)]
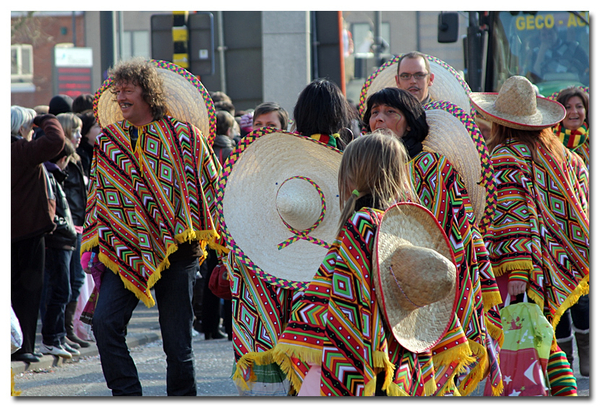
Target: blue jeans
[(57, 295), (77, 273), (115, 306)]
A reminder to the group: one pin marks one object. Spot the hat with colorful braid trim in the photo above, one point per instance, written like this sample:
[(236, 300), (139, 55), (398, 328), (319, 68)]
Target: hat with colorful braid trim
[(448, 84), (187, 100), (278, 204)]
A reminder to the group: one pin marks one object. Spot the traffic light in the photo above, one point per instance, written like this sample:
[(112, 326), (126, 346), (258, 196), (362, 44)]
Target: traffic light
[(184, 38)]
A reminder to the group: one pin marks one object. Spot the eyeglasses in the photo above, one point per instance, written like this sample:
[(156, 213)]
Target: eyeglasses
[(418, 76)]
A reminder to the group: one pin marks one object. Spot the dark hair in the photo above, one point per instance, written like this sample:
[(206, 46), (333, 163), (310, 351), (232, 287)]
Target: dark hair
[(143, 73), (87, 121), (60, 104), (410, 107), (269, 107), (225, 121), (567, 93), (83, 102), (322, 108), (544, 138), (413, 55), (218, 96), (225, 105)]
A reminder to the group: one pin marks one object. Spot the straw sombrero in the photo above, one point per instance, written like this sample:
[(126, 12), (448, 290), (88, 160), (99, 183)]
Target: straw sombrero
[(415, 276), (585, 89), (187, 100), (517, 106), (454, 134), (447, 84), (279, 205)]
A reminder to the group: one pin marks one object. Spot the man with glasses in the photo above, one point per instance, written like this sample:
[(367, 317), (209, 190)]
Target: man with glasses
[(415, 76)]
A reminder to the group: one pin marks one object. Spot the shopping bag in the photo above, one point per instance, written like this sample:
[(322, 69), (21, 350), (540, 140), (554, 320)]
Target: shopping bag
[(524, 355), (219, 283), (16, 335)]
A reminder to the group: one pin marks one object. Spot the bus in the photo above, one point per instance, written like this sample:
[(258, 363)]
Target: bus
[(550, 48)]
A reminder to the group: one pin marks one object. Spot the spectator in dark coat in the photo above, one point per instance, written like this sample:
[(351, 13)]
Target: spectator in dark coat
[(32, 214)]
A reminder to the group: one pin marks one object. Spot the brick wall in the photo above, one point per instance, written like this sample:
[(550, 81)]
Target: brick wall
[(44, 32)]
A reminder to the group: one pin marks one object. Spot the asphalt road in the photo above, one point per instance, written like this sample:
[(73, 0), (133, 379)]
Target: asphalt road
[(83, 378), (213, 360)]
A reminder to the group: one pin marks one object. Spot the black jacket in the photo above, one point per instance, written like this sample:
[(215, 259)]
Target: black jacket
[(64, 236), (76, 191)]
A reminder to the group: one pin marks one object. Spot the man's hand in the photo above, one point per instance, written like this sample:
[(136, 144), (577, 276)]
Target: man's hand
[(516, 287)]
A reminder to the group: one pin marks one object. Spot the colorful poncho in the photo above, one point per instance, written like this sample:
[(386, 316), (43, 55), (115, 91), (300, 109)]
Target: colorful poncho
[(443, 192), (337, 325), (541, 229), (143, 203), (260, 312)]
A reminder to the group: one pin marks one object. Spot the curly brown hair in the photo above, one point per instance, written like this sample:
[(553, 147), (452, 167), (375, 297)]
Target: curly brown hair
[(139, 71)]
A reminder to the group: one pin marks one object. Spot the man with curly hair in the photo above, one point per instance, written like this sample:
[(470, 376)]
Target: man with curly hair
[(148, 219)]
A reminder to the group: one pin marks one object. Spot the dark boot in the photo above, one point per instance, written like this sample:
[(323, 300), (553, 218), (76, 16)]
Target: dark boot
[(69, 317), (583, 351), (567, 347)]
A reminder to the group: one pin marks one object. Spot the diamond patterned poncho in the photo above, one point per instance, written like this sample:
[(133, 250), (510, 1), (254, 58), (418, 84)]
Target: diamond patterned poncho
[(144, 202)]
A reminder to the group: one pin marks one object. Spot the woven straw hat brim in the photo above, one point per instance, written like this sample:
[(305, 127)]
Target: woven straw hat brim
[(421, 329), (447, 85), (251, 224), (551, 112), (187, 100), (449, 137)]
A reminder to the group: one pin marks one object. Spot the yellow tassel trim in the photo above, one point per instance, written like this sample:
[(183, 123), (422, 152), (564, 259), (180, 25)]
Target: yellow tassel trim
[(282, 354), (246, 362), (490, 299), (89, 245), (13, 392), (458, 353), (470, 383), (515, 265), (582, 289), (496, 332), (189, 235)]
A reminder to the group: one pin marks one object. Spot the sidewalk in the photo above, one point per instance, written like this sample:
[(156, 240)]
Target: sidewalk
[(143, 328)]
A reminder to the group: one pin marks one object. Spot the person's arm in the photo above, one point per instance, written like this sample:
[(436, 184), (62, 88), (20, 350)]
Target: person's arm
[(48, 146)]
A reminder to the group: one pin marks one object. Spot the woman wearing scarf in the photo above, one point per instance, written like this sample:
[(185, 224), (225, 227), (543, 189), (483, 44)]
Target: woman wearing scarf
[(539, 239), (573, 132)]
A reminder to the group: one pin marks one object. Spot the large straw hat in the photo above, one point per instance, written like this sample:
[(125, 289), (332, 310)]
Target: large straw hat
[(454, 134), (447, 85), (415, 276), (279, 205), (517, 106), (187, 100), (585, 89)]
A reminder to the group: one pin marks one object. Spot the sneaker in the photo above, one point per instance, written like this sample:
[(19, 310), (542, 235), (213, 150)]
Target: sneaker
[(55, 350), (73, 344), (70, 349)]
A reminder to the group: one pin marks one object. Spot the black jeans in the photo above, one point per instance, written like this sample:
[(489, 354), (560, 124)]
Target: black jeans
[(27, 277), (113, 311), (578, 315)]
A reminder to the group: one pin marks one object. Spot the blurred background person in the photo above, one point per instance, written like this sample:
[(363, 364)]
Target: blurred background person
[(32, 215)]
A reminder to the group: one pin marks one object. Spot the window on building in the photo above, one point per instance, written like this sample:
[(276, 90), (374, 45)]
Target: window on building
[(136, 44), (21, 68), (21, 63)]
